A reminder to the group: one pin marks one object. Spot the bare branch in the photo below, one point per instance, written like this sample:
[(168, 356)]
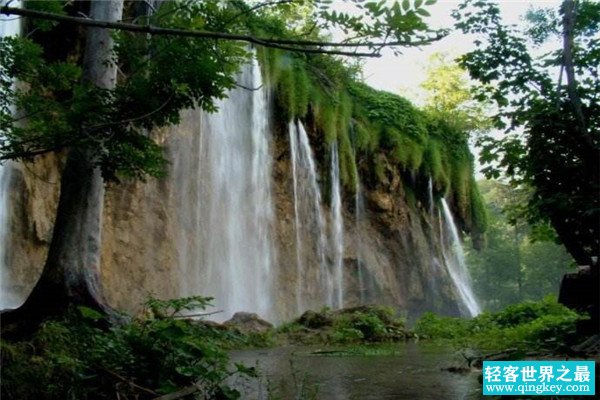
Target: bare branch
[(128, 120), (197, 315), (186, 391), (283, 44), (130, 382), (249, 88)]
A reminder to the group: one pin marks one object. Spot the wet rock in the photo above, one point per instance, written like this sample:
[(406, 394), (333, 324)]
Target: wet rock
[(248, 322), (381, 201)]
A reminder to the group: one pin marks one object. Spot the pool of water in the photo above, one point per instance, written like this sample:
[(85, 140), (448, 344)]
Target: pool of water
[(409, 371)]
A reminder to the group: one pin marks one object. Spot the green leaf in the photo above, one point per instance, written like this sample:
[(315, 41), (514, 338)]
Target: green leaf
[(405, 5), (89, 313)]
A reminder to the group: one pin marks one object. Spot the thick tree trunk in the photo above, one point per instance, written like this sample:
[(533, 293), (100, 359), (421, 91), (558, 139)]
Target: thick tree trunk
[(71, 272)]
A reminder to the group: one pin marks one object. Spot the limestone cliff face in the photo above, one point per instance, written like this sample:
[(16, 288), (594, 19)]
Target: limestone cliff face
[(34, 190), (394, 249), (391, 256)]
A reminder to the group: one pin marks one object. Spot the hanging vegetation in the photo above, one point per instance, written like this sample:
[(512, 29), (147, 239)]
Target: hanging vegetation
[(366, 122)]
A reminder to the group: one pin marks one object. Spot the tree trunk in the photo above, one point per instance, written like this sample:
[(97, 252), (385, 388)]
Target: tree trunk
[(568, 33), (518, 260), (71, 272)]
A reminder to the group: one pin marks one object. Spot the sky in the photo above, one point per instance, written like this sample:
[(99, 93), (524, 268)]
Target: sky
[(403, 74)]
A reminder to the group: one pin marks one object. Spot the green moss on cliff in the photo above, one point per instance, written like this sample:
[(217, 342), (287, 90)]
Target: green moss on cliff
[(367, 123)]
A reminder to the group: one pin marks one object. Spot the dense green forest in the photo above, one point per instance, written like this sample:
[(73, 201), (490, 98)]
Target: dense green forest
[(520, 261)]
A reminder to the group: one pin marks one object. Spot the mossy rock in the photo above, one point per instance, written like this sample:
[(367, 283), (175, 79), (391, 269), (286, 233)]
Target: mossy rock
[(385, 314), (315, 320)]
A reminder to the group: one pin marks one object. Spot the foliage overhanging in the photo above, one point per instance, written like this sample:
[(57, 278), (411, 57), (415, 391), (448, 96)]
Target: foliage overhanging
[(62, 111), (367, 123)]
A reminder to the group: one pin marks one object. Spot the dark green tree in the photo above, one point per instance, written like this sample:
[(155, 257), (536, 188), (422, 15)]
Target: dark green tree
[(550, 110)]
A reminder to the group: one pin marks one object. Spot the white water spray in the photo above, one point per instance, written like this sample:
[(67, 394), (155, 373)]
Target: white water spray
[(309, 219), (231, 254), (430, 193), (337, 229), (359, 214), (456, 264)]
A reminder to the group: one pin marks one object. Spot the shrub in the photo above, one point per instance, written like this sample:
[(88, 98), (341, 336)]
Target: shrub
[(434, 326), (75, 358), (527, 326), (351, 325)]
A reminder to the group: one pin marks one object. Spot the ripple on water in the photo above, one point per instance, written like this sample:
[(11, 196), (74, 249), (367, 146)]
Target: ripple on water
[(404, 371)]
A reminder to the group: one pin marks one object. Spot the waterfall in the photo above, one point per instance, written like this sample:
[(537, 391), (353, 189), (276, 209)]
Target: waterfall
[(430, 194), (9, 26), (308, 217), (227, 206), (337, 228), (293, 132), (359, 215), (456, 264)]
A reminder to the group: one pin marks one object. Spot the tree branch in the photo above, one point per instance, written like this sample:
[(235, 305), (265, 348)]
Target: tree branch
[(197, 315), (283, 44), (98, 127), (32, 153), (129, 382), (568, 33), (186, 391)]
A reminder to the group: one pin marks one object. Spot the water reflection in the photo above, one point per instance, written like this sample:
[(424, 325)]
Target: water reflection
[(413, 371)]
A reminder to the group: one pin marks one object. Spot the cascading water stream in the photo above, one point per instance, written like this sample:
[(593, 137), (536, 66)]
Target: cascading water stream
[(9, 26), (456, 264), (430, 194), (337, 229), (308, 216), (293, 132), (231, 254), (437, 265), (359, 215)]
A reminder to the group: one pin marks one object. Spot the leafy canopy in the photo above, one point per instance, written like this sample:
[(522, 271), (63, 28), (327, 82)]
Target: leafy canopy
[(545, 145), (449, 96), (63, 112)]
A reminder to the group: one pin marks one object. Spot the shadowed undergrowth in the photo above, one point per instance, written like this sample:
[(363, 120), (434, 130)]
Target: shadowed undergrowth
[(83, 356)]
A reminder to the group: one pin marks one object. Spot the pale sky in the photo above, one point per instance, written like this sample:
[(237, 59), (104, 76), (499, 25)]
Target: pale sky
[(403, 74)]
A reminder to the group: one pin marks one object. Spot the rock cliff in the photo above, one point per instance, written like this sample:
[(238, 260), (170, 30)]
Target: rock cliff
[(391, 256)]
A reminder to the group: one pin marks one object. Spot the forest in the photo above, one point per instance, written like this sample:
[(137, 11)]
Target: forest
[(298, 199)]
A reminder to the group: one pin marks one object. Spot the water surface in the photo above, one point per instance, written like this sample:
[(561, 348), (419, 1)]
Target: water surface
[(412, 371)]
